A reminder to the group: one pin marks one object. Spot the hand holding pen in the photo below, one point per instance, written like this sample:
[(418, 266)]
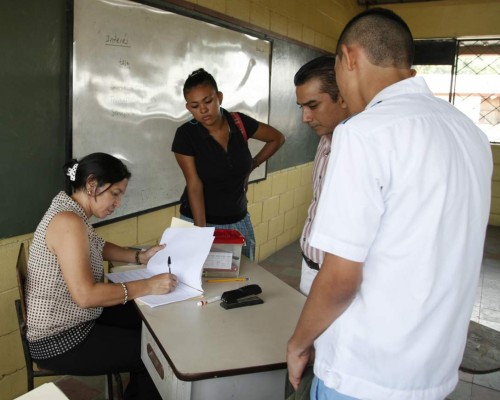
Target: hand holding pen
[(162, 283), (166, 282)]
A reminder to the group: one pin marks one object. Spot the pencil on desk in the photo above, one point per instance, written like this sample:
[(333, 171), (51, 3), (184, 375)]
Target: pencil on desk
[(227, 280)]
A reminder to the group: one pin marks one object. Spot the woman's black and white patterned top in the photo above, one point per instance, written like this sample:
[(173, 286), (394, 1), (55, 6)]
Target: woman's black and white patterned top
[(56, 323)]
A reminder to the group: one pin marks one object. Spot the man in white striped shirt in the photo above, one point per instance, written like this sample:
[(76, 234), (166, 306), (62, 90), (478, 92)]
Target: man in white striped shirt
[(322, 109)]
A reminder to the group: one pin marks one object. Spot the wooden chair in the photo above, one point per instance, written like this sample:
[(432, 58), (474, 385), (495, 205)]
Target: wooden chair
[(33, 371), (482, 351)]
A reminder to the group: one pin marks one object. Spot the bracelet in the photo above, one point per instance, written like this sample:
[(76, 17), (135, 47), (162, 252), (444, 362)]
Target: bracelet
[(125, 299), (137, 261)]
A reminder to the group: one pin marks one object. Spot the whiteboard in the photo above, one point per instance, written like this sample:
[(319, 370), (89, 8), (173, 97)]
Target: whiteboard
[(129, 65)]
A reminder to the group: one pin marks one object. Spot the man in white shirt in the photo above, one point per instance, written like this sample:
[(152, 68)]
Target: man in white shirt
[(322, 109), (402, 220)]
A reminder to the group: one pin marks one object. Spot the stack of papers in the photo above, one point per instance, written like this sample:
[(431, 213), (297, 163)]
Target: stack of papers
[(188, 249), (219, 260)]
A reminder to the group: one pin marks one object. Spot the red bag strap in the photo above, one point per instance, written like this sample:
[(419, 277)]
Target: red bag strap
[(239, 124)]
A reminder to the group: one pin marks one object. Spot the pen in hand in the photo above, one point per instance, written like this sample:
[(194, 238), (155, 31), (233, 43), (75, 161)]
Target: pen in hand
[(169, 262)]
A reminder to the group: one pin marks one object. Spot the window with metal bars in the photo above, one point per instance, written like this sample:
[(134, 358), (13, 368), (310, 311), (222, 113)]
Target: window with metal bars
[(466, 72), (476, 89)]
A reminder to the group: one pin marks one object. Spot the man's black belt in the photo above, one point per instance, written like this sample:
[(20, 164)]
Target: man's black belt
[(310, 263)]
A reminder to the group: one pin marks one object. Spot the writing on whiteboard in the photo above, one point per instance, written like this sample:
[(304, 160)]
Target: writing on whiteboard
[(124, 63), (115, 40)]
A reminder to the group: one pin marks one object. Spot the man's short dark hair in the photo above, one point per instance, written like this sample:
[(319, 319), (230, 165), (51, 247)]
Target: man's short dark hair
[(385, 37), (322, 68)]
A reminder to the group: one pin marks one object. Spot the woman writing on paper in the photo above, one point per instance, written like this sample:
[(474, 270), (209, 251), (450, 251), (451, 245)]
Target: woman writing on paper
[(76, 323), (213, 153)]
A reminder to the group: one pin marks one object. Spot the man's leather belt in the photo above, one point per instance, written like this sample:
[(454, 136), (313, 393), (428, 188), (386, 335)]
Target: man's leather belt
[(310, 263)]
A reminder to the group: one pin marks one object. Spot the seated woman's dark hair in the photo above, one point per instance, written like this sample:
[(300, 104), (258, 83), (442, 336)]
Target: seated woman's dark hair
[(102, 167), (199, 77)]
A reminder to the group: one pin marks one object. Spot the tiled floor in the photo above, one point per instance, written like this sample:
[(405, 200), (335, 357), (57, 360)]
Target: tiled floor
[(286, 265)]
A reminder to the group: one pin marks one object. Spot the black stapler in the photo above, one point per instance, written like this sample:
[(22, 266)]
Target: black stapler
[(242, 297)]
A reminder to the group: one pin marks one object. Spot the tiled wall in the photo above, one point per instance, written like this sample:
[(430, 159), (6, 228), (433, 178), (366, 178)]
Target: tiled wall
[(314, 22), (450, 18)]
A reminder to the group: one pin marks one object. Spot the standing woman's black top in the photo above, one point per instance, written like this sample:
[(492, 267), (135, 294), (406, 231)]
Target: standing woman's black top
[(223, 173)]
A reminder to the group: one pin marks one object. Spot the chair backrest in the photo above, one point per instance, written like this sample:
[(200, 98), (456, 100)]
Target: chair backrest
[(22, 272), (24, 341)]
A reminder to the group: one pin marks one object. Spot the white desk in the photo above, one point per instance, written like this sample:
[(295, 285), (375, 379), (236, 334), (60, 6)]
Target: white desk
[(44, 392), (209, 353)]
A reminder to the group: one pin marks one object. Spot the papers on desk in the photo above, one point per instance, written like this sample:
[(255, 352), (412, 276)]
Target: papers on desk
[(188, 249), (180, 223)]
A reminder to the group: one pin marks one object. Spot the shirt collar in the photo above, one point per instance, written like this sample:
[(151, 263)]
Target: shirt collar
[(415, 85), (204, 131)]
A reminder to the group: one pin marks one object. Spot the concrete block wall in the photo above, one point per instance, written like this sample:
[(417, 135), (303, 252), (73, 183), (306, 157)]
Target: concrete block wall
[(278, 208), (314, 22)]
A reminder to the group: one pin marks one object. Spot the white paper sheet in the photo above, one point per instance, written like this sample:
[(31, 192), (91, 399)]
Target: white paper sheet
[(182, 292), (188, 249), (180, 223)]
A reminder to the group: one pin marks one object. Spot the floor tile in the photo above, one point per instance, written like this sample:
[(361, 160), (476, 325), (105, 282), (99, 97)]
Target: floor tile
[(465, 377), (79, 389), (482, 393), (463, 391), (491, 381)]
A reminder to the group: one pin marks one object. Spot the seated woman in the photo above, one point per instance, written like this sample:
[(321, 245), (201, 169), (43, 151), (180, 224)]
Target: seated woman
[(77, 324), (213, 154)]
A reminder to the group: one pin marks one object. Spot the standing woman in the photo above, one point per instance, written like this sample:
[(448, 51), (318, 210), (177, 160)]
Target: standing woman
[(77, 324), (213, 154)]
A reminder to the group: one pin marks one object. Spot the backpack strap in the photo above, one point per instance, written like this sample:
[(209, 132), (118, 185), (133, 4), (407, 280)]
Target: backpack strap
[(239, 124)]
